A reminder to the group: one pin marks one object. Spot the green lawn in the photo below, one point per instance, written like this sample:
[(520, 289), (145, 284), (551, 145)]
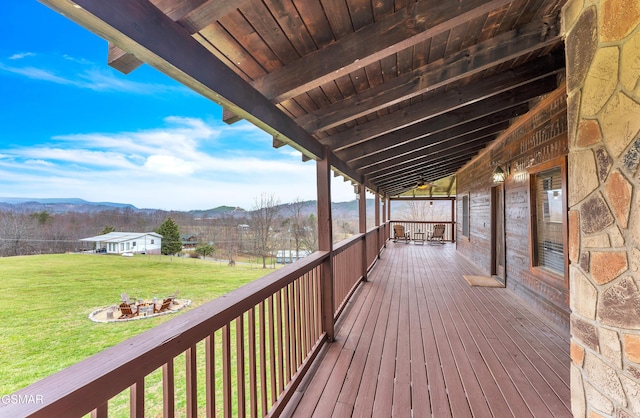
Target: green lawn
[(46, 301)]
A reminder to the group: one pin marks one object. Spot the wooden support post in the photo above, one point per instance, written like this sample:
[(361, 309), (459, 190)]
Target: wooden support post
[(389, 218), (377, 222), (325, 241), (453, 220), (362, 216), (385, 230)]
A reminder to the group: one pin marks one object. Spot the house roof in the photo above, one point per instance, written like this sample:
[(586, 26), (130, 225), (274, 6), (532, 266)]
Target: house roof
[(397, 92), (121, 236)]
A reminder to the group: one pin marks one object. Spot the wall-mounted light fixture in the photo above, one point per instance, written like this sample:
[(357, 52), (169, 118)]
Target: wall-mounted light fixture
[(499, 174)]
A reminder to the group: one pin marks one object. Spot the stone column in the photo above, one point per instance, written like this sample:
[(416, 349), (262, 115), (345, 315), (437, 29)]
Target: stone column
[(603, 105)]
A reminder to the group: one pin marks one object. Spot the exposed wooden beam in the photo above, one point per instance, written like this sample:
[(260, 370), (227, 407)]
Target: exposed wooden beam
[(442, 171), (451, 184), (426, 163), (433, 126), (422, 161), (386, 37), (517, 101), (207, 13), (422, 144), (229, 117), (450, 100), (122, 60), (444, 140), (177, 9), (472, 60), (194, 15)]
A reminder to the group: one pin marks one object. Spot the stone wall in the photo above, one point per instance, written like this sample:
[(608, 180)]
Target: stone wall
[(603, 73)]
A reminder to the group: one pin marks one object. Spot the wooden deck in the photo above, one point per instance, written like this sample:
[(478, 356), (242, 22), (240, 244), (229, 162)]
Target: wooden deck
[(418, 341)]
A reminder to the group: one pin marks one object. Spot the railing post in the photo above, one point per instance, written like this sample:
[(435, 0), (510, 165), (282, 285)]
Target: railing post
[(453, 220), (362, 206), (325, 241), (377, 219)]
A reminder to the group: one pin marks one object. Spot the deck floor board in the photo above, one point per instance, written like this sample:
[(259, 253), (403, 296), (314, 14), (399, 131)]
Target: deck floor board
[(417, 340)]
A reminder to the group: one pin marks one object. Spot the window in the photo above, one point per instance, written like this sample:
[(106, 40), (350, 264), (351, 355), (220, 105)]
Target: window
[(465, 215), (133, 244), (152, 241), (548, 217)]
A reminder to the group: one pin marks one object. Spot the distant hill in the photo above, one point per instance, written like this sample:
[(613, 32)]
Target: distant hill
[(63, 205), (60, 205)]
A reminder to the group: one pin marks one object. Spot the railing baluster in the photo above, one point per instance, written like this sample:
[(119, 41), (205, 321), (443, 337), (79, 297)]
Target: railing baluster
[(272, 351), (240, 377), (287, 333), (101, 412), (192, 382), (263, 358), (304, 320), (168, 390), (253, 383), (297, 315), (136, 399), (280, 328), (210, 374), (226, 371)]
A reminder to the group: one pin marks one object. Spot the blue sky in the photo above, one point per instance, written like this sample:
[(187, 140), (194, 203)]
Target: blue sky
[(71, 126)]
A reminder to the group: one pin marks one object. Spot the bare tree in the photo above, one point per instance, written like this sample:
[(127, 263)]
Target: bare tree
[(263, 215), (310, 238), (230, 236), (297, 225), (17, 233)]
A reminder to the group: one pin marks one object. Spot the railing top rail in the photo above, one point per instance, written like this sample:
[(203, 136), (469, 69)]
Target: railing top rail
[(422, 222), (98, 378), (353, 240)]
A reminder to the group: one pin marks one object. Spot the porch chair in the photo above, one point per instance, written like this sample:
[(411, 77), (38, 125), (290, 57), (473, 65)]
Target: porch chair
[(400, 234), (166, 303), (437, 235), (127, 311)]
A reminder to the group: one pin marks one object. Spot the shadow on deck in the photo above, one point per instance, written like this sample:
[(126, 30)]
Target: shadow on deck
[(417, 339)]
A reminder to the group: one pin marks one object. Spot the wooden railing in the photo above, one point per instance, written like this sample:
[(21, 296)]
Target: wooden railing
[(242, 354), (425, 227), (348, 263)]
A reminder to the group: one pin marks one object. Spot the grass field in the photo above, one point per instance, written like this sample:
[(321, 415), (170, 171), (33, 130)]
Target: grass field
[(46, 301)]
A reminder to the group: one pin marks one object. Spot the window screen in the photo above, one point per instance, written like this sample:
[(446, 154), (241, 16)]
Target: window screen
[(548, 239)]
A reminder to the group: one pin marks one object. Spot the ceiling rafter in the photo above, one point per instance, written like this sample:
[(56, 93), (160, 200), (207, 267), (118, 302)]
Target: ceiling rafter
[(450, 101), (452, 138), (372, 43), (472, 60)]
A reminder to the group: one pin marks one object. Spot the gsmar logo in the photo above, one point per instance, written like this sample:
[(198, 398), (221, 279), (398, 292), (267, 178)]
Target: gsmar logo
[(21, 399)]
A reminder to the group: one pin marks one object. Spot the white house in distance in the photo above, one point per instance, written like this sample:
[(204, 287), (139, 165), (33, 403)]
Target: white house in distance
[(127, 242)]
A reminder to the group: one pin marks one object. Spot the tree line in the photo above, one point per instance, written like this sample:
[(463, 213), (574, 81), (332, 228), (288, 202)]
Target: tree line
[(260, 232)]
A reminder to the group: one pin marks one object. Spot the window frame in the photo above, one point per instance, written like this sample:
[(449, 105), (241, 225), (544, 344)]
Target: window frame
[(534, 267), (466, 217)]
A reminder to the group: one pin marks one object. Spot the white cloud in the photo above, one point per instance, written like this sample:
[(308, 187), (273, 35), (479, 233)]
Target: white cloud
[(180, 166), (37, 74), (83, 74), (169, 164), (22, 55)]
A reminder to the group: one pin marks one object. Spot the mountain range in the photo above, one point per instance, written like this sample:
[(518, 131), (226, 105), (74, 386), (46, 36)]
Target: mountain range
[(63, 205)]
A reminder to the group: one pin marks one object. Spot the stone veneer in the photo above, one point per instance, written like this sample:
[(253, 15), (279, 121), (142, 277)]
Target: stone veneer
[(603, 105)]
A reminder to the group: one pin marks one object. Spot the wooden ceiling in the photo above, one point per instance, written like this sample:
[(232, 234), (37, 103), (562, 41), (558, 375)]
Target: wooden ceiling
[(398, 91)]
